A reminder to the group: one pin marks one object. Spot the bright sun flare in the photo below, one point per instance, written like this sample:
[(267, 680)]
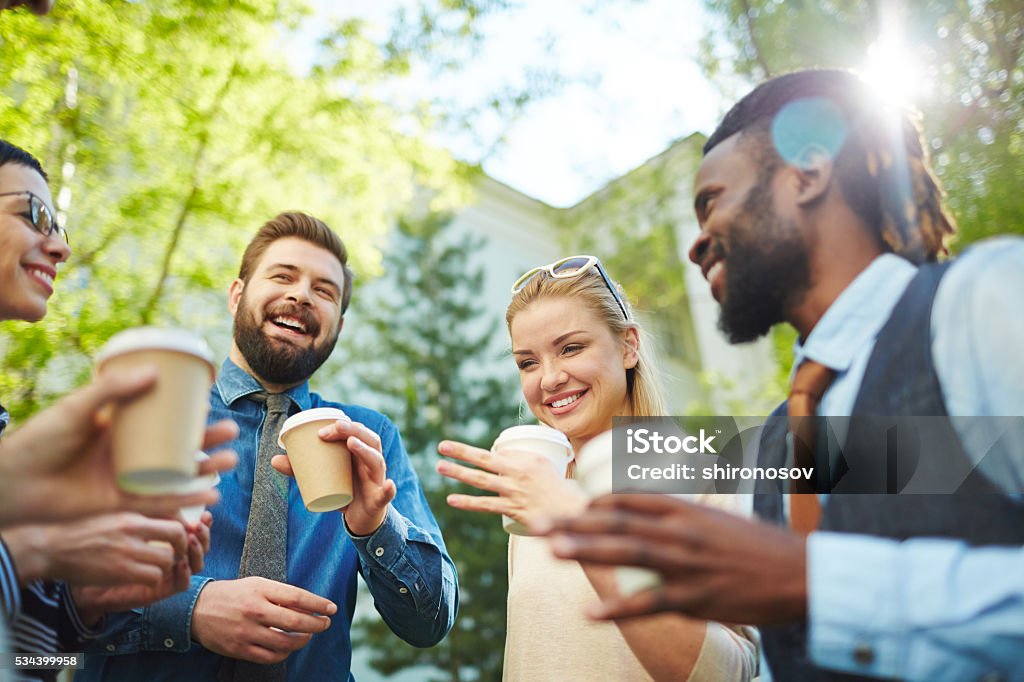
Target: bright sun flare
[(893, 72)]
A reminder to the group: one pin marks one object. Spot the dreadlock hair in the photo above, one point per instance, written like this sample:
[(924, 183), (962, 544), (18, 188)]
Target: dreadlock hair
[(880, 161), (643, 387)]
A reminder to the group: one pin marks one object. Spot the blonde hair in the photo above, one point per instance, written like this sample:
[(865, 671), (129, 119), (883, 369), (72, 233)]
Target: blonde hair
[(643, 387)]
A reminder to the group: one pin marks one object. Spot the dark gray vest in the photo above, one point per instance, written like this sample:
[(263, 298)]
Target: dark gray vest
[(900, 380)]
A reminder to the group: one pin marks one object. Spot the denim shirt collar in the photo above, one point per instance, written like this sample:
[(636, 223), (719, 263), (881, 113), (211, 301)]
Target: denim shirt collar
[(857, 316), (233, 383)]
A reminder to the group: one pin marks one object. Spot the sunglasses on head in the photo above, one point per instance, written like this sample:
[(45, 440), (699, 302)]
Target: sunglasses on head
[(570, 267), (38, 214)]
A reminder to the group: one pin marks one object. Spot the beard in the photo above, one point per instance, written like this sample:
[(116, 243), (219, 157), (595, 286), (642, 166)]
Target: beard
[(767, 271), (277, 361)]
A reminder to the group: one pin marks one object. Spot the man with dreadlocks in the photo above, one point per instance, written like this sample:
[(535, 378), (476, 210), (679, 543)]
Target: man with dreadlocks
[(817, 208)]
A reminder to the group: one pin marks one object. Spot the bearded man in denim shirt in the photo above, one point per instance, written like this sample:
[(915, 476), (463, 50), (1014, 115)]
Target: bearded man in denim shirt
[(288, 306)]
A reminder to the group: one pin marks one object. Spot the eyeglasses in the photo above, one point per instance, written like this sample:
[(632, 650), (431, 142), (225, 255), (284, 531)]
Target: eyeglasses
[(38, 214), (570, 267)]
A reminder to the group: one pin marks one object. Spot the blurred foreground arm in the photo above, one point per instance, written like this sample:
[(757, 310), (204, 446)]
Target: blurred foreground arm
[(922, 609)]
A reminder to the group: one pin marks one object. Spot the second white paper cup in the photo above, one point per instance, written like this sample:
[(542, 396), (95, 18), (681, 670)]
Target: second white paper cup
[(195, 485), (594, 472)]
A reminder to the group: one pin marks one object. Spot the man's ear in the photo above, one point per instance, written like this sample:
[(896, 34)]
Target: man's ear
[(235, 295), (813, 167), (630, 348)]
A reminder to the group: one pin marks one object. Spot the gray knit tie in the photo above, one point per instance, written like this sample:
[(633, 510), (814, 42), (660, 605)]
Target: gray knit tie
[(266, 536)]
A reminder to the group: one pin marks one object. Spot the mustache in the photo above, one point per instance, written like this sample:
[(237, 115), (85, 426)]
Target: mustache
[(714, 251), (302, 314)]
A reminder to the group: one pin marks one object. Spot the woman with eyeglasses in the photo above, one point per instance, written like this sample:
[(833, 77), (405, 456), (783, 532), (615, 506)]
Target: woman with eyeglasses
[(58, 579), (582, 360)]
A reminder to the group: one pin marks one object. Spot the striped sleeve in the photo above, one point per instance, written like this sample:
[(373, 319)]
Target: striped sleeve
[(34, 630), (72, 631), (10, 592)]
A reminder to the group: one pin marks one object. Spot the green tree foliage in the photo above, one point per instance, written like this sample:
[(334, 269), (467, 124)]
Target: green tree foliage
[(422, 349), (171, 131), (971, 61), (634, 224)]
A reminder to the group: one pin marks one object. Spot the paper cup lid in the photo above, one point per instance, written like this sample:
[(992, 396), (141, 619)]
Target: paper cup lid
[(532, 431), (155, 338), (306, 416)]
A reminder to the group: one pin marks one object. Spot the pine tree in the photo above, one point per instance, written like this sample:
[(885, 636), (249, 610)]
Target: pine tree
[(425, 347)]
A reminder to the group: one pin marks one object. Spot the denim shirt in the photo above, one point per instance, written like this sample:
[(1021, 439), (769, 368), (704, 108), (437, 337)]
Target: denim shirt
[(927, 609), (404, 563)]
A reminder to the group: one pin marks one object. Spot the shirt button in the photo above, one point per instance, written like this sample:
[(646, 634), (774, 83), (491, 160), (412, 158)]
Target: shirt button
[(168, 642), (992, 677), (864, 654), (379, 551), (111, 647), (403, 590)]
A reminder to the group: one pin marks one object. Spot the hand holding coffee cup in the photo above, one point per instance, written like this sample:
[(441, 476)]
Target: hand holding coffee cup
[(322, 469), (371, 490), (59, 464), (526, 468), (156, 435)]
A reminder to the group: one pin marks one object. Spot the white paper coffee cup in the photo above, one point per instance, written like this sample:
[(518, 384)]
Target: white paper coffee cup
[(542, 440), (323, 470), (194, 513), (156, 435), (594, 472)]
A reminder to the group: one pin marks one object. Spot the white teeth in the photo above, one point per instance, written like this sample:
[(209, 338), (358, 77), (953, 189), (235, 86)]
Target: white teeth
[(45, 276), (713, 272), (566, 401), (289, 322)]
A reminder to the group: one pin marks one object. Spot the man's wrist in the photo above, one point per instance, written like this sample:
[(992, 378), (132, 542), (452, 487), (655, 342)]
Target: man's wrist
[(193, 636), (90, 614), (28, 549), (793, 598), (361, 528)]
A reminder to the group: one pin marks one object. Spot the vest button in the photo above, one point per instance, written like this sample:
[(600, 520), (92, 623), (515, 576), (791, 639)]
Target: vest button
[(379, 551), (864, 654)]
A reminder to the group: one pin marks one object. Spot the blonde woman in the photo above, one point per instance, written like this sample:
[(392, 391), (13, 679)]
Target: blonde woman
[(582, 360)]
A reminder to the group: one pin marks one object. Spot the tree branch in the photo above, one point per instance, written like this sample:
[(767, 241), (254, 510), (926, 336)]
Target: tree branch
[(748, 21), (146, 315)]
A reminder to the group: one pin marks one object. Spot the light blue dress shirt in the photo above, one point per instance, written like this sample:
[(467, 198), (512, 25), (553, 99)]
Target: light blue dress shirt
[(404, 563), (927, 609)]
